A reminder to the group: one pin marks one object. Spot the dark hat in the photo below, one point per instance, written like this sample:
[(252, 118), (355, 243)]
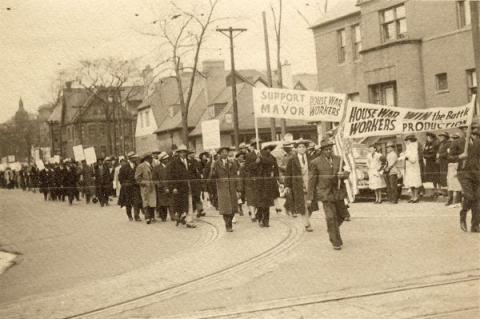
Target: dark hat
[(302, 141), (444, 134), (431, 134), (204, 153), (269, 147), (132, 155), (145, 155), (243, 145), (228, 148), (455, 135), (391, 144), (240, 154), (156, 152), (411, 138), (183, 148), (326, 142)]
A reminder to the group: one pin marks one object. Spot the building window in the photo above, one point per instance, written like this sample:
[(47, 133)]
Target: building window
[(471, 83), (357, 41), (383, 93), (341, 40), (441, 82), (463, 13), (354, 97), (393, 23)]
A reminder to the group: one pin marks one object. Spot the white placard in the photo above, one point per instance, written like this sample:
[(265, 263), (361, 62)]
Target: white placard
[(90, 155), (40, 165), (36, 154), (11, 158), (211, 134), (78, 153), (309, 106), (56, 159)]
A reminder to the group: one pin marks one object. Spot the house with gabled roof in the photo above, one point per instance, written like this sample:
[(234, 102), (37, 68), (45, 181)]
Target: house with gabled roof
[(96, 119)]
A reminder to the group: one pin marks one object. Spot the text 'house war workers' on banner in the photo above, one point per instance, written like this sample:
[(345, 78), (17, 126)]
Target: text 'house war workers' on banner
[(298, 105), (363, 119), (211, 134)]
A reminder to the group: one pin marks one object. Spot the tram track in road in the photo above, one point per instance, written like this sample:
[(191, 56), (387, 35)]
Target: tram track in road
[(256, 310), (263, 259)]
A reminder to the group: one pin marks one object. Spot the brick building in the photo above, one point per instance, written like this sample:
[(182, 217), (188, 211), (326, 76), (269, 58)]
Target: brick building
[(406, 53), (103, 119)]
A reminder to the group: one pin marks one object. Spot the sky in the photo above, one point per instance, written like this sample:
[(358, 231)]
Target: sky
[(40, 38)]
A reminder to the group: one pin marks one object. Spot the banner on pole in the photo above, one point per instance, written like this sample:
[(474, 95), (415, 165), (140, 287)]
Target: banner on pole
[(211, 134), (78, 153), (90, 156), (364, 120), (309, 106)]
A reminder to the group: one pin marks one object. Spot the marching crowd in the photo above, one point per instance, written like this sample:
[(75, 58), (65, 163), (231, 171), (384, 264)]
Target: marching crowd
[(177, 184)]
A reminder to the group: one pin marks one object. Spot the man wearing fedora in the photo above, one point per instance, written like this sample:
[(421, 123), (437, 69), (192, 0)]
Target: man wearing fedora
[(129, 196), (326, 182), (392, 173), (179, 180), (225, 173), (160, 177), (103, 182), (144, 178), (469, 177), (296, 182)]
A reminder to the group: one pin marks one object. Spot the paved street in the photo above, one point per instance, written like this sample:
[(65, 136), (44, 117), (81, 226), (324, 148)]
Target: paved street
[(403, 261)]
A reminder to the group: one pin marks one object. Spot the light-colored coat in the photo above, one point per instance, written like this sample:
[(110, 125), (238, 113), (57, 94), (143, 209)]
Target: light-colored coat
[(143, 176), (413, 175)]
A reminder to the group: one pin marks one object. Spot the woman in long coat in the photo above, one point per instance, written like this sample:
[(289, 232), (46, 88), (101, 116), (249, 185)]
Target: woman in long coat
[(442, 158), (225, 172), (250, 171), (413, 176), (432, 171), (376, 182), (266, 182)]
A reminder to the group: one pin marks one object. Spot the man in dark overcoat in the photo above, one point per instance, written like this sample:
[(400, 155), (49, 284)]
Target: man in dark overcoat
[(266, 183), (250, 171), (179, 179), (442, 157), (130, 196), (225, 172), (296, 181), (164, 196), (103, 182), (326, 181)]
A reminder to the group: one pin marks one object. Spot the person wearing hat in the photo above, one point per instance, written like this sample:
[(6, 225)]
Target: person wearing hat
[(376, 182), (225, 173), (129, 196), (432, 170), (413, 175), (454, 188), (196, 183), (296, 182), (326, 186), (144, 178), (249, 184), (164, 197), (442, 160), (179, 177), (266, 184), (288, 152), (469, 177), (392, 173), (103, 182)]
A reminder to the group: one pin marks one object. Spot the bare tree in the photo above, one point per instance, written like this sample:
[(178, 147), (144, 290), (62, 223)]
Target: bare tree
[(317, 6), (183, 35), (112, 82)]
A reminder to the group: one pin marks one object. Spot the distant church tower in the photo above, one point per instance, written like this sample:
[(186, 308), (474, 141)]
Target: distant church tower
[(21, 115)]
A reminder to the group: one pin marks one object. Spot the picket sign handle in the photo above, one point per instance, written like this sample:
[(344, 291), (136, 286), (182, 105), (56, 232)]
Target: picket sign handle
[(340, 131), (256, 132)]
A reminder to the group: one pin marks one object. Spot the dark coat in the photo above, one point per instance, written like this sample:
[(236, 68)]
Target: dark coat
[(70, 180), (179, 178), (266, 182), (228, 184), (324, 181), (88, 180), (250, 171), (103, 181), (43, 181), (129, 190), (432, 170), (442, 161), (160, 177), (294, 180), (456, 148)]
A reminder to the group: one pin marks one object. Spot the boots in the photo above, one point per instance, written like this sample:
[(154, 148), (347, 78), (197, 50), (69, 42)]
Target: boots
[(266, 218), (450, 199)]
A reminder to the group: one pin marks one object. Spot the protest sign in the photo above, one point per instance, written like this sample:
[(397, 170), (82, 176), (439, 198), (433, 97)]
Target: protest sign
[(56, 159), (363, 119), (36, 154), (211, 134), (78, 153), (40, 165), (298, 105), (11, 158), (90, 156)]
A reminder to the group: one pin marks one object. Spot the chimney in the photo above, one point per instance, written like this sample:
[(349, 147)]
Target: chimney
[(214, 71)]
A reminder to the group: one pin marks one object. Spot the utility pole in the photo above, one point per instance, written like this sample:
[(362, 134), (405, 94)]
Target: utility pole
[(229, 32), (476, 46), (273, 129)]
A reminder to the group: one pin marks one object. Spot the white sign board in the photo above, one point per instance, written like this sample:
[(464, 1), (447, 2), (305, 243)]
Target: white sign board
[(309, 106), (56, 159), (90, 156), (78, 153), (11, 158), (364, 119), (40, 165), (211, 134), (36, 154)]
